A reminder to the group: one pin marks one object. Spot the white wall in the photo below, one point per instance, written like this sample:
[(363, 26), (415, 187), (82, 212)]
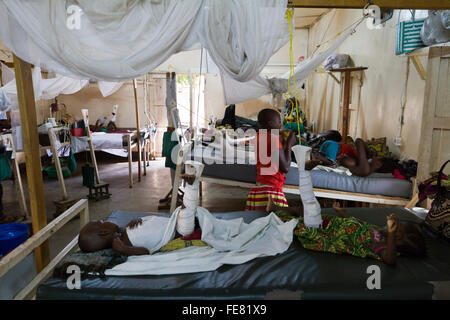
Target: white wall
[(382, 83)]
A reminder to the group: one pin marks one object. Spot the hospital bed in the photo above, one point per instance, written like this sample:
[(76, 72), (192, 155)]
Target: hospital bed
[(119, 143), (297, 273), (238, 169)]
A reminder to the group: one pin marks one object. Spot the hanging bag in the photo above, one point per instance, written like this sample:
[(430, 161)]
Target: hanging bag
[(437, 220)]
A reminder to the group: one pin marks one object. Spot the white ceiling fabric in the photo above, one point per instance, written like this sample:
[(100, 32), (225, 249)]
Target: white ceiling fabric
[(123, 39)]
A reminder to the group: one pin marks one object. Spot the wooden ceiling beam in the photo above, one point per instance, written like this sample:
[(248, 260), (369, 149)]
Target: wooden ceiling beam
[(385, 4)]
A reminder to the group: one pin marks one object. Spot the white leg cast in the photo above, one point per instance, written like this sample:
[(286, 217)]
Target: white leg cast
[(186, 217), (311, 207)]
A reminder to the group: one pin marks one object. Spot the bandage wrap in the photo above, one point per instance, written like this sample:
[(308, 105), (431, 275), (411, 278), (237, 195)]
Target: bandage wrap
[(186, 217), (311, 207)]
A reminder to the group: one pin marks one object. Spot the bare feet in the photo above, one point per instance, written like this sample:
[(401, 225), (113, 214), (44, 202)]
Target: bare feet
[(338, 209), (336, 206)]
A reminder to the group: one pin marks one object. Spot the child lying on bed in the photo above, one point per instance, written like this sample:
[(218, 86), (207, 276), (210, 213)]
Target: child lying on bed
[(350, 235), (135, 239), (142, 236)]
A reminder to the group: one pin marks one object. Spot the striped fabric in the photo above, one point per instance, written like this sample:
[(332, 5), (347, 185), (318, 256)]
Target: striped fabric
[(408, 36), (259, 197)]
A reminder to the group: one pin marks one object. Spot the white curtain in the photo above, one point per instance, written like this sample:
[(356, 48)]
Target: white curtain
[(46, 89), (117, 39), (236, 91), (241, 36), (124, 39), (108, 88), (7, 74), (51, 88)]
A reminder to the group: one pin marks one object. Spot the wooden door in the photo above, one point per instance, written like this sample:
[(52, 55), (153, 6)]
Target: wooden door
[(354, 99), (435, 131)]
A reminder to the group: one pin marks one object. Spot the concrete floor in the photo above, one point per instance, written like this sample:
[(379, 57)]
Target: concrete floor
[(143, 197)]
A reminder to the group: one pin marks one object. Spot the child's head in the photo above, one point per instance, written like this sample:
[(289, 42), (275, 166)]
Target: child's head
[(410, 240), (269, 119), (333, 135), (97, 235)]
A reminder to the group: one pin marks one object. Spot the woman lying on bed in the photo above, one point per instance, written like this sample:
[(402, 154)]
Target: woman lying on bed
[(345, 234), (359, 161)]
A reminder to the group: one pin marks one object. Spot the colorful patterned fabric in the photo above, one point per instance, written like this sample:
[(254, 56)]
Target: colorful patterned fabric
[(179, 243), (258, 197), (429, 188), (378, 147), (337, 235)]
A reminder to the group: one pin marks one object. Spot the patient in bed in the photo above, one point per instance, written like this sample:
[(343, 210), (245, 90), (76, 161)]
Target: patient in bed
[(350, 235), (360, 160), (137, 238), (144, 236)]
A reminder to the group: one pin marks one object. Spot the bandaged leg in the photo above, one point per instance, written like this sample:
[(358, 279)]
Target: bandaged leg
[(311, 207), (186, 217)]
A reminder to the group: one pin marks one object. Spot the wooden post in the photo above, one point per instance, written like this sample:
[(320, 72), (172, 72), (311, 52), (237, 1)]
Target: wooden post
[(130, 162), (346, 72), (346, 105), (27, 105), (91, 148), (19, 184), (137, 129), (57, 163), (419, 67), (144, 153), (191, 99)]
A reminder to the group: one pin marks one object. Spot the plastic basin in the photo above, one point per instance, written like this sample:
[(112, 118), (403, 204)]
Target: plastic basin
[(12, 235)]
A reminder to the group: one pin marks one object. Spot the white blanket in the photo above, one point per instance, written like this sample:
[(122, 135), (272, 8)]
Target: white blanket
[(231, 242), (106, 142), (102, 140), (338, 170)]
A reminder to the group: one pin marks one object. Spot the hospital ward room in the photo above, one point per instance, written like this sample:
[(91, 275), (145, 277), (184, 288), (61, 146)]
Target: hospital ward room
[(213, 152)]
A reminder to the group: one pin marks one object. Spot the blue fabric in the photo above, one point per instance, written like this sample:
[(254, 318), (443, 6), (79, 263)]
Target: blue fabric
[(330, 148)]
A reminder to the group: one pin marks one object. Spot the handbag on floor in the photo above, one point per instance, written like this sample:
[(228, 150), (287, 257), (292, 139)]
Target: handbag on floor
[(437, 220)]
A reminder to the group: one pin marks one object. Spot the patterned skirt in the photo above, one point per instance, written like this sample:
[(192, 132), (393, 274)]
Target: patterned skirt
[(258, 198), (337, 235)]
